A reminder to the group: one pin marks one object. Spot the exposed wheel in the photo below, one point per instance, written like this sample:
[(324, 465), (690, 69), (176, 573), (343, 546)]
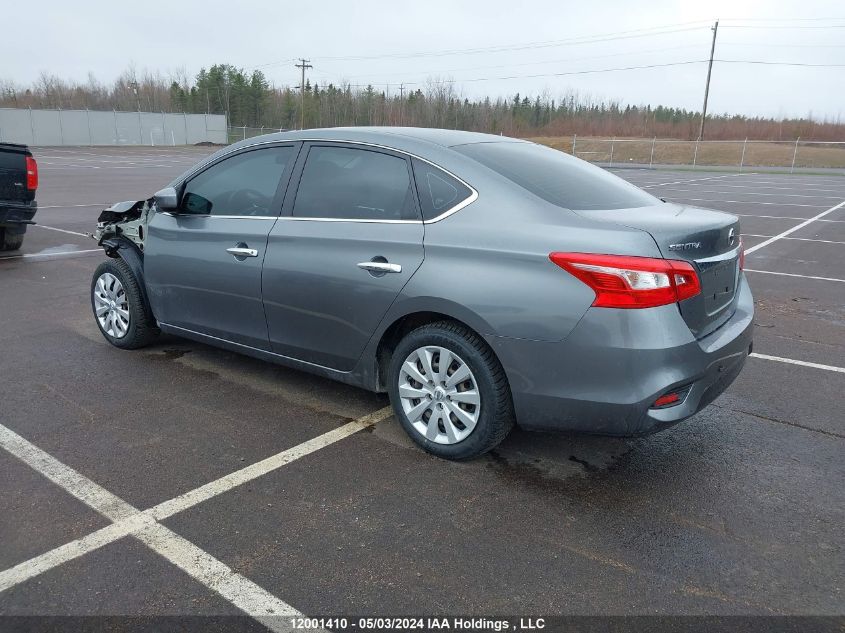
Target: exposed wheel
[(118, 307), (449, 391), (10, 241)]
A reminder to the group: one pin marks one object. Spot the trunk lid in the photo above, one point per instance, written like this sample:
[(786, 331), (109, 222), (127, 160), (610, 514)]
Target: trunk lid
[(13, 174), (708, 239)]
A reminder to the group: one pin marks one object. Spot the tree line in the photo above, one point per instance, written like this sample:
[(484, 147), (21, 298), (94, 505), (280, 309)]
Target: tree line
[(248, 99)]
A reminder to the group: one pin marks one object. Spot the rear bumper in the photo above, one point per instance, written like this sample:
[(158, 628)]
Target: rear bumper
[(612, 367), (16, 217)]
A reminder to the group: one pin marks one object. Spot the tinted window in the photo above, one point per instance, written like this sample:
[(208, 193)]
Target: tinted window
[(241, 185), (438, 191), (341, 182), (557, 177)]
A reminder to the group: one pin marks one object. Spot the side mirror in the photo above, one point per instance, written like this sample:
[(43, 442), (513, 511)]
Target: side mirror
[(166, 199)]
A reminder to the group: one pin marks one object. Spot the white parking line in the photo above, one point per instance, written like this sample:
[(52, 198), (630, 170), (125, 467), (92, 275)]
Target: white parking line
[(755, 193), (128, 520), (58, 254), (678, 182), (798, 239), (53, 228), (759, 187), (219, 577), (779, 217), (803, 363), (89, 493), (771, 272), (72, 206), (242, 476), (65, 166), (794, 228), (754, 202), (835, 180)]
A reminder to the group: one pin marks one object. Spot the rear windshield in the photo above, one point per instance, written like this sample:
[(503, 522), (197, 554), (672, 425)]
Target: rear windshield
[(557, 177)]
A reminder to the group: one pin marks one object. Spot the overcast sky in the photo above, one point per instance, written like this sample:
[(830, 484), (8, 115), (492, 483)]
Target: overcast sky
[(390, 42)]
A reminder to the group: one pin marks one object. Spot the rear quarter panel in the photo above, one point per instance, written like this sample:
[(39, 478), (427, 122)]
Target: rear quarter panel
[(492, 259)]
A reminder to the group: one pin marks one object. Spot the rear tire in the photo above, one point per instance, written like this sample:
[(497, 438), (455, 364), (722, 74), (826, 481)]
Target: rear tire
[(119, 310), (449, 391), (10, 241)]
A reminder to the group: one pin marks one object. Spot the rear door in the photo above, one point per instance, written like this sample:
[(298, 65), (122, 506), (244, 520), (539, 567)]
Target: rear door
[(203, 263), (346, 244)]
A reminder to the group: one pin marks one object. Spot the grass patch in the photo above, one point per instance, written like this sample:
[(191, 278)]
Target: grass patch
[(716, 153)]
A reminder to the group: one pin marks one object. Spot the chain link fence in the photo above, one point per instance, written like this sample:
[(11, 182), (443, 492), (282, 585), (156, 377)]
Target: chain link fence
[(740, 155), (655, 152), (242, 132)]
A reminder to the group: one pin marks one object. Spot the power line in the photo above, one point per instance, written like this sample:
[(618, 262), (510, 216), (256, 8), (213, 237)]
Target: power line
[(783, 19), (539, 75), (585, 39), (779, 45), (778, 26), (580, 40), (592, 71), (538, 63), (767, 63), (509, 48)]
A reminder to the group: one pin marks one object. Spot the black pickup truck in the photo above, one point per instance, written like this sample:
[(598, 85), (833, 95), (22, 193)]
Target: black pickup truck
[(18, 182)]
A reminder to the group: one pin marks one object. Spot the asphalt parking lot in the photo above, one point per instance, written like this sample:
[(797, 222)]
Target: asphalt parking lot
[(186, 480)]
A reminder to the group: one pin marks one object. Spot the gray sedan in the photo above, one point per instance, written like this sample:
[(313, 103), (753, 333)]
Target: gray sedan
[(481, 281)]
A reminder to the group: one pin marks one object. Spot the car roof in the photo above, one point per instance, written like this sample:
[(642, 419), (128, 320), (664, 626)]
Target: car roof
[(432, 144), (401, 138)]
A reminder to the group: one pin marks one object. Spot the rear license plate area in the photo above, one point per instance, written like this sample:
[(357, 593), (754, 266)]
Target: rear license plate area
[(719, 286)]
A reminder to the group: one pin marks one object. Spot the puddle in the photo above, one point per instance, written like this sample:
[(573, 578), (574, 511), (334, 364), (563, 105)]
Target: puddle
[(532, 455)]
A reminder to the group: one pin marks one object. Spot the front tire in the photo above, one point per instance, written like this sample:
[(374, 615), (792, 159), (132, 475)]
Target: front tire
[(118, 306), (449, 391)]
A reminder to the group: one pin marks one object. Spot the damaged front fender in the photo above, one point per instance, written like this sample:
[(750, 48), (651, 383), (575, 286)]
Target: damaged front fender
[(125, 220)]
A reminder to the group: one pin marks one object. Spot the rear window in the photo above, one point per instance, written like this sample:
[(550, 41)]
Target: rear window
[(438, 191), (557, 177)]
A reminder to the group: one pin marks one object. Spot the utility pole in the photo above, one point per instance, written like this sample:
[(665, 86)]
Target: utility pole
[(401, 101), (707, 85), (303, 64)]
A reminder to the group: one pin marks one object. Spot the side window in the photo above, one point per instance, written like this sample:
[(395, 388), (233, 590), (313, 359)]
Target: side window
[(438, 191), (354, 184), (241, 185)]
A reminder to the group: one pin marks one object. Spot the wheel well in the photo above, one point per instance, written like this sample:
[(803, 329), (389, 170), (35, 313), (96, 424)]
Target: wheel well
[(397, 331)]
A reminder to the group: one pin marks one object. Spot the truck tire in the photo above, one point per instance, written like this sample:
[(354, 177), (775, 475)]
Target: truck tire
[(10, 241)]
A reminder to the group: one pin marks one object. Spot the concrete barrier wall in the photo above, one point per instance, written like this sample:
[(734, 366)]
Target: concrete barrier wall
[(94, 127)]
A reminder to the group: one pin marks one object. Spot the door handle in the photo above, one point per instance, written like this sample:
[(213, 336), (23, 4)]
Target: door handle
[(238, 251), (380, 267)]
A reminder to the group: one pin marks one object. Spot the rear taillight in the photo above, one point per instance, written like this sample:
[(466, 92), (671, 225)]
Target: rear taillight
[(31, 173), (741, 254), (621, 281)]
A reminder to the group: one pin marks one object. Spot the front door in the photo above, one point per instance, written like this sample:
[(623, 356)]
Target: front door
[(203, 263), (341, 253)]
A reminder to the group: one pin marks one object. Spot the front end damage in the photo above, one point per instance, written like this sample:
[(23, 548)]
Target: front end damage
[(122, 231), (124, 221)]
